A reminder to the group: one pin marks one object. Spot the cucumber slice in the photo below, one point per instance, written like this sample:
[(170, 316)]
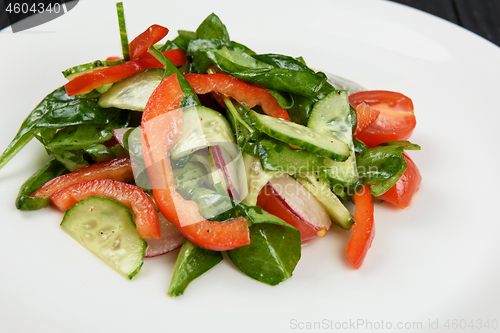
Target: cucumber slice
[(133, 92), (80, 69), (105, 228), (301, 136), (338, 213), (202, 128), (256, 178), (331, 117)]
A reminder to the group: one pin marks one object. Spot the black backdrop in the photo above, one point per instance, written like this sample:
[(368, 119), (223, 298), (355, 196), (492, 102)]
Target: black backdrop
[(480, 16)]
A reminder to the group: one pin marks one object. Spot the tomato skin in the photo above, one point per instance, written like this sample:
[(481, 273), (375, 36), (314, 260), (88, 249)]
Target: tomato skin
[(363, 230), (131, 196), (117, 169), (142, 42), (271, 204), (85, 83), (161, 129), (396, 120), (245, 93), (401, 193)]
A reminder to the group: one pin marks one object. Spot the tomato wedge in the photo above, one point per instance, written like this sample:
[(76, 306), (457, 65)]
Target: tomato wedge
[(401, 193), (161, 129), (396, 120), (243, 92), (131, 196), (363, 229), (141, 43), (85, 83), (117, 169)]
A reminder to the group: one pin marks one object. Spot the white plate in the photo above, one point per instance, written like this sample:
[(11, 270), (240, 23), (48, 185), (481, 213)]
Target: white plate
[(435, 260)]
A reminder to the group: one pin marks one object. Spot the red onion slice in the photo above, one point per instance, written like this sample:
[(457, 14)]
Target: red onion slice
[(170, 239), (312, 218)]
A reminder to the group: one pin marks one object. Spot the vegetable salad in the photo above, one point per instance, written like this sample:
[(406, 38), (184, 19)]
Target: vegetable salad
[(199, 144)]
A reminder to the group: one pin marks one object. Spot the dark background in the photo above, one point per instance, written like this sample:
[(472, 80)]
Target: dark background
[(479, 16)]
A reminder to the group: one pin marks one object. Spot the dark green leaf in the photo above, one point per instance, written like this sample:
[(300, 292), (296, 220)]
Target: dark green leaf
[(192, 262), (214, 30), (79, 137), (58, 110), (382, 162), (71, 159), (272, 255), (302, 83), (211, 33), (48, 172)]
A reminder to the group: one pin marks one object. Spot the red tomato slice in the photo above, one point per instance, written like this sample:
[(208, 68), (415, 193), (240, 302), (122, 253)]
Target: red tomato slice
[(150, 36), (402, 192), (363, 229), (85, 83), (146, 218), (396, 120), (245, 93), (117, 169)]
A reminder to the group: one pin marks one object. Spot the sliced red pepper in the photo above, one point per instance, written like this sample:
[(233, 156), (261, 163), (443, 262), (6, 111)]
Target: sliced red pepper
[(161, 129), (113, 58), (117, 169), (243, 92), (131, 196), (87, 82), (363, 229), (141, 43), (366, 116)]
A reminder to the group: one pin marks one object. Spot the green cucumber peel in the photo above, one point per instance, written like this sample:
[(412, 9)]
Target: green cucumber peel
[(123, 31)]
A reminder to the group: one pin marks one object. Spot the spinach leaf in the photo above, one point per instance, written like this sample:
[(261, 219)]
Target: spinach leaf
[(275, 246), (71, 159), (179, 42), (192, 262), (380, 163), (79, 158), (298, 82), (79, 137), (48, 172), (272, 254), (58, 110), (211, 33)]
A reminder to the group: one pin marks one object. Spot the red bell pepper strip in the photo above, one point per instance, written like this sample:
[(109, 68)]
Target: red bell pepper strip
[(117, 169), (243, 92), (113, 58), (85, 83), (131, 196), (161, 129), (141, 43), (363, 229), (366, 116)]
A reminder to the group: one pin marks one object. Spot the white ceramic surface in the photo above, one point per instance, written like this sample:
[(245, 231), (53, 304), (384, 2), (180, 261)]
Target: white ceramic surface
[(435, 260)]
